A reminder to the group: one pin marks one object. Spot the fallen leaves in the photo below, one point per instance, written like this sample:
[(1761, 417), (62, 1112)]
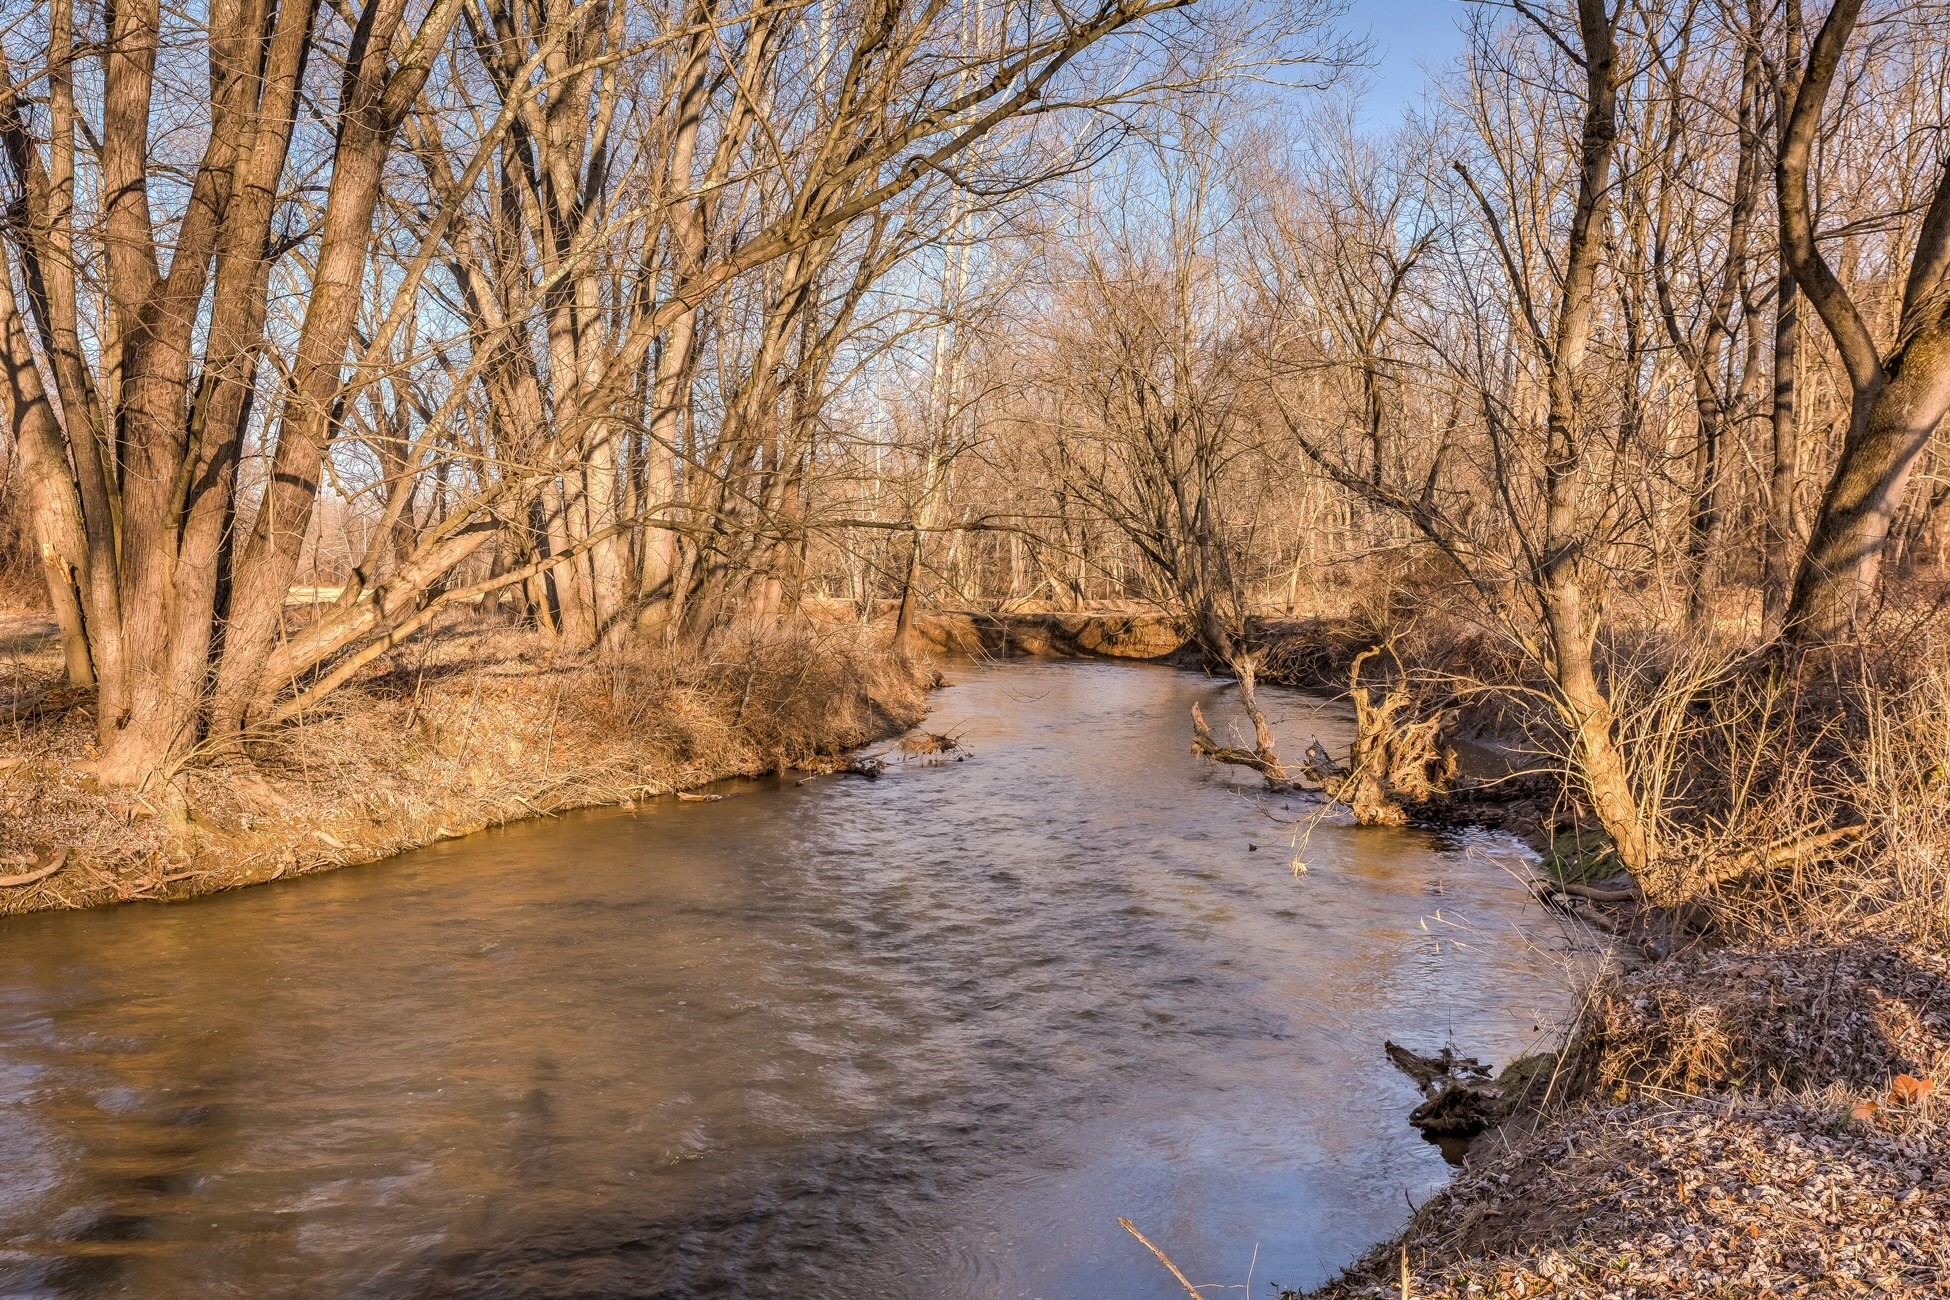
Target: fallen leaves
[(1908, 1090), (1811, 1157)]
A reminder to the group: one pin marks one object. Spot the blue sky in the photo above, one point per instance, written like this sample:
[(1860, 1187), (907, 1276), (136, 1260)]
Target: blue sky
[(1408, 36)]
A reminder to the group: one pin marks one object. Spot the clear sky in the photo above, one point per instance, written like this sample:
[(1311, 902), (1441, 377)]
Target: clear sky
[(1408, 36)]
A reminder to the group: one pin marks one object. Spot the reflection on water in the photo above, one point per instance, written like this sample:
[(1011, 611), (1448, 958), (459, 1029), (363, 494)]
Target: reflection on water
[(927, 1036)]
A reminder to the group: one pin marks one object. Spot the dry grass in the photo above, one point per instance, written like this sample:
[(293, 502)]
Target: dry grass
[(1758, 1110), (466, 728)]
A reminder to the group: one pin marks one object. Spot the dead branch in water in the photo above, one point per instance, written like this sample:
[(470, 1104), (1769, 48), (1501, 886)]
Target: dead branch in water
[(1206, 745), (1263, 757), (1163, 1258)]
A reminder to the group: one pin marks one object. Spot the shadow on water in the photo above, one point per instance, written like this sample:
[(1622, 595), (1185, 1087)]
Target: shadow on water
[(925, 1036)]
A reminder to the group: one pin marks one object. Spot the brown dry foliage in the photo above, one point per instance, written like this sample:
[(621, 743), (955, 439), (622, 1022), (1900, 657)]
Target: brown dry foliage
[(467, 727), (755, 699), (1745, 1197)]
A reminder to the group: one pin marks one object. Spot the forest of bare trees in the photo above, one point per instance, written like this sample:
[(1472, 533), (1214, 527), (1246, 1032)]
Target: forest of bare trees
[(649, 322), (553, 299)]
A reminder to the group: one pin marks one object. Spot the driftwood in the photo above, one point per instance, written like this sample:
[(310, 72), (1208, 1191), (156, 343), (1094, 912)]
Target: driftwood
[(1163, 1258), (1459, 1100), (1459, 1110), (1264, 762), (54, 864), (1263, 757), (1425, 1070)]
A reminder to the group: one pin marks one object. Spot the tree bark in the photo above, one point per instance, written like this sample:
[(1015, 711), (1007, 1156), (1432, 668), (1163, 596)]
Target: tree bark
[(1783, 528), (1898, 399)]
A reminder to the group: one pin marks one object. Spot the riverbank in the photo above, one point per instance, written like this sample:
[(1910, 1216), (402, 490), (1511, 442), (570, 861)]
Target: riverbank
[(466, 728), (1758, 1119), (1754, 1105)]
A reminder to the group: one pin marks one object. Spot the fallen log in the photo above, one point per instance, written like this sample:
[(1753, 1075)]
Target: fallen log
[(51, 702), (1598, 893), (1425, 1070)]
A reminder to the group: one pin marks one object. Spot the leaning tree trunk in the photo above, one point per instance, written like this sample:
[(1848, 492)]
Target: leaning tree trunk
[(1889, 430), (1899, 398), (53, 505), (1565, 578)]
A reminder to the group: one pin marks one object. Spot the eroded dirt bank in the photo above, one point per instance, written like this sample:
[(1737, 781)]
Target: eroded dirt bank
[(456, 732)]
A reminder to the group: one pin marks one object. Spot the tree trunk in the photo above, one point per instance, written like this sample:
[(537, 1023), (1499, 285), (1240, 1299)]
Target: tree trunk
[(1898, 399), (53, 506), (1783, 530), (1889, 428)]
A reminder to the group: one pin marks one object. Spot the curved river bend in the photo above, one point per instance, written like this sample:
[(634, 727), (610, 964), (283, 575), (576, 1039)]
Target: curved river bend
[(922, 1037)]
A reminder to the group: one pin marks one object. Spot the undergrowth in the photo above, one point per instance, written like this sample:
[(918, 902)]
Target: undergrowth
[(466, 727)]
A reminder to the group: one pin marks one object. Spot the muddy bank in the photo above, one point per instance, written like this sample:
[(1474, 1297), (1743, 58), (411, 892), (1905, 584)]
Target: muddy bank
[(466, 729), (1308, 654), (1134, 633)]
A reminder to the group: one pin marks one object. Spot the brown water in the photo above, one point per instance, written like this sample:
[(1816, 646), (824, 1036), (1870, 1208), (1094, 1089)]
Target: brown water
[(927, 1036)]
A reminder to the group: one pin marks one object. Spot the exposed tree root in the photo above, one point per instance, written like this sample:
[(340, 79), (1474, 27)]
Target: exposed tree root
[(53, 865), (1392, 763)]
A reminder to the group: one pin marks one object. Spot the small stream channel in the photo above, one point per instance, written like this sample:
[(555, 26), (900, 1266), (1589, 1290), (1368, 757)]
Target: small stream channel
[(927, 1036)]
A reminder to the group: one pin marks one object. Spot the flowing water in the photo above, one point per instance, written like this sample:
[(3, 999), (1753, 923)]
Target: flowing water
[(927, 1036)]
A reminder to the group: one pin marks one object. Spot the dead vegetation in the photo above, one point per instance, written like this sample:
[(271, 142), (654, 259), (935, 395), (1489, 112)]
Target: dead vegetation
[(1742, 1196), (1758, 1119), (456, 731), (1756, 1110), (1400, 756)]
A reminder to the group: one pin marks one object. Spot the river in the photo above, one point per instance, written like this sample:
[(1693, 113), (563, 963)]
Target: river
[(927, 1036)]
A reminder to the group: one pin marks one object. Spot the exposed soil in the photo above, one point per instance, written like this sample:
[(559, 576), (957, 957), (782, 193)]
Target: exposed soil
[(1138, 632)]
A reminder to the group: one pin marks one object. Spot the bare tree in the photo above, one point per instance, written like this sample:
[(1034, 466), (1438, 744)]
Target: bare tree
[(1900, 393)]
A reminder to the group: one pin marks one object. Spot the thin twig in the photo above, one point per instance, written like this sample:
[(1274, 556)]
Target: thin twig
[(1163, 1258)]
